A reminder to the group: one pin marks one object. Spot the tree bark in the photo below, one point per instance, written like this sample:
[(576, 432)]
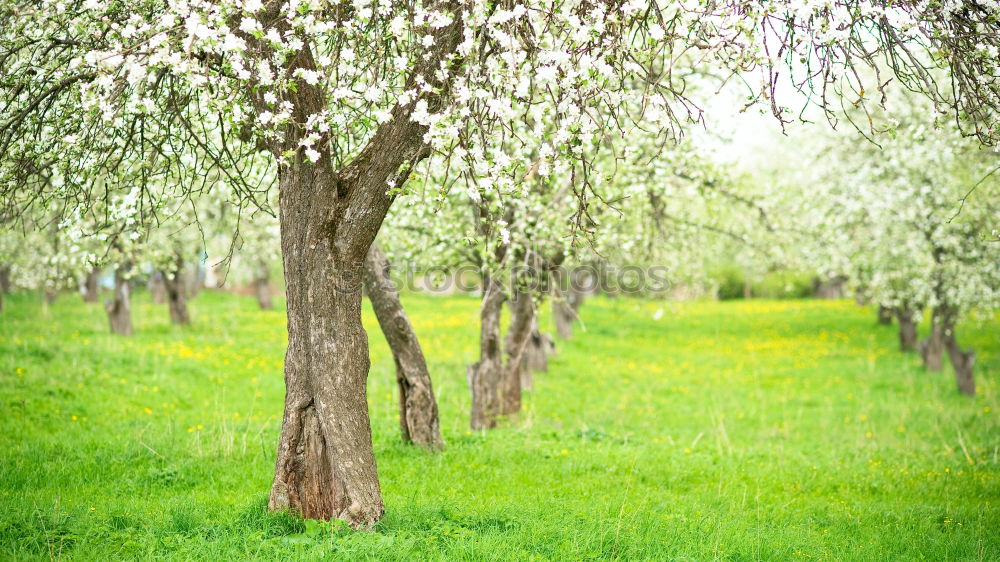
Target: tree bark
[(90, 289), (907, 329), (176, 294), (262, 286), (157, 290), (486, 375), (50, 296), (932, 347), (884, 315), (418, 410), (119, 308), (522, 311)]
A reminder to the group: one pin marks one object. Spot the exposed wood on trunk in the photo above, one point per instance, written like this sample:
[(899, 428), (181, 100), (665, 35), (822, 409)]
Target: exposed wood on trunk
[(486, 375), (907, 329), (119, 307), (90, 288), (418, 410)]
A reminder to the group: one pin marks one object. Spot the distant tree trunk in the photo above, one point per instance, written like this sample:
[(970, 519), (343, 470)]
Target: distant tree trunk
[(536, 355), (932, 347), (5, 278), (157, 290), (884, 314), (485, 376), (832, 288), (119, 308), (51, 295), (522, 311), (90, 289), (907, 329), (176, 295), (262, 286), (962, 362), (418, 410)]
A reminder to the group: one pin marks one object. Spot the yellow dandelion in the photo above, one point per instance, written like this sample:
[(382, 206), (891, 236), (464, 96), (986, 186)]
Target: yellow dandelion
[(147, 410), (564, 451)]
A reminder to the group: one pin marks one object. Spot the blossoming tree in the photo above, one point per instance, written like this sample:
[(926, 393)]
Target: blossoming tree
[(347, 97)]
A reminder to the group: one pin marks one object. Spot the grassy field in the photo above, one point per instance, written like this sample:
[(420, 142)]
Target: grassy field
[(709, 431)]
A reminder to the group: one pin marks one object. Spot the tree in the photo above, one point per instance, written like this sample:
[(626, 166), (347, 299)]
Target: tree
[(348, 99), (418, 411)]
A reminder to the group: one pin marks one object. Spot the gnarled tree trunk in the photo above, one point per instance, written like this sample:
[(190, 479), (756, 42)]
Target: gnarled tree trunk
[(329, 217), (932, 347), (119, 308), (486, 375), (907, 329), (90, 289), (262, 286), (418, 410), (884, 315), (176, 294), (522, 310)]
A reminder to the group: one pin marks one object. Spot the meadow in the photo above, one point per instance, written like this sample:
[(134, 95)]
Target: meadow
[(740, 430)]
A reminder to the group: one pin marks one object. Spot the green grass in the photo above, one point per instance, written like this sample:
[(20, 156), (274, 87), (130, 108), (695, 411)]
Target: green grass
[(733, 431)]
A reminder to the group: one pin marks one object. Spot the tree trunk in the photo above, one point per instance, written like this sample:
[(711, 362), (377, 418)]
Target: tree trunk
[(90, 289), (119, 308), (325, 467), (962, 362), (157, 290), (907, 329), (418, 410), (5, 278), (329, 218), (884, 315), (176, 295), (262, 286), (486, 375), (536, 356), (522, 311), (932, 348), (50, 296)]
